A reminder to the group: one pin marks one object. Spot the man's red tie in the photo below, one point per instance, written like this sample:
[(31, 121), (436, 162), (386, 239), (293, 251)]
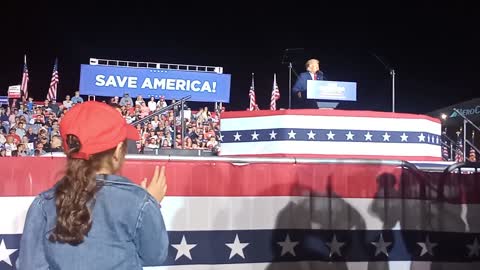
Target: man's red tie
[(315, 76)]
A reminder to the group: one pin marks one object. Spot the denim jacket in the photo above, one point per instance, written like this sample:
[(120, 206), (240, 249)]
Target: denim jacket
[(127, 232)]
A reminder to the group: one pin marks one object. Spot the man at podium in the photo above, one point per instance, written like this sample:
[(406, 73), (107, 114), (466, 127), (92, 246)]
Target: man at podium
[(299, 89)]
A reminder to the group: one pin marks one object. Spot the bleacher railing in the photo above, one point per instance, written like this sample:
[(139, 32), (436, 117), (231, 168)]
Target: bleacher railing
[(465, 140), (174, 106)]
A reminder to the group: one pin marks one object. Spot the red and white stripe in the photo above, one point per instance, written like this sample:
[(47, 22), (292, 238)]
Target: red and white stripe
[(251, 94), (243, 202), (275, 94), (25, 78), (52, 91)]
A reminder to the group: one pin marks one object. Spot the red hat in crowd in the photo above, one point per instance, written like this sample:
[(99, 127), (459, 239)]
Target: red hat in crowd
[(98, 126)]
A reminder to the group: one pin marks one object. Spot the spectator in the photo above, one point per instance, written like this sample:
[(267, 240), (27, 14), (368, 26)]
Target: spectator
[(15, 137), (2, 137), (139, 100), (70, 202), (126, 100), (3, 116), (161, 103), (32, 137), (43, 140), (67, 103), (77, 98), (22, 150), (46, 104), (10, 146), (144, 110), (56, 144), (152, 105), (114, 100), (28, 146), (39, 149), (20, 131), (30, 104), (212, 143), (54, 106)]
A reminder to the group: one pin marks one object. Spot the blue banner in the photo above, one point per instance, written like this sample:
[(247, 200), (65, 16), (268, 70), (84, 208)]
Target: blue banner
[(3, 100), (172, 84), (332, 90)]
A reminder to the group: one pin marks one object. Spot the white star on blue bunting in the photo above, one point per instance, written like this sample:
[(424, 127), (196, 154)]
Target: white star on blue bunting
[(237, 136), (237, 247), (254, 136), (273, 135), (368, 136), (331, 135), (349, 136), (291, 134)]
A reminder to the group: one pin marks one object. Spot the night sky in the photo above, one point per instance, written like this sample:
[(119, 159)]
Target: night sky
[(432, 47)]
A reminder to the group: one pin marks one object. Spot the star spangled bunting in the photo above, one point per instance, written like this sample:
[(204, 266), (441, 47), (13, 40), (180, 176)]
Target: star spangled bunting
[(335, 246), (427, 246), (294, 245), (312, 135), (5, 253), (288, 246), (236, 248), (183, 249), (474, 248), (381, 246)]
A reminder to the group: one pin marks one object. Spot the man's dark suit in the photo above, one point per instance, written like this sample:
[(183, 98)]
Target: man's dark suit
[(301, 86)]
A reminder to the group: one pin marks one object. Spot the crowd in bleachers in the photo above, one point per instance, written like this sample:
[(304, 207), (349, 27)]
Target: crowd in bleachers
[(31, 128)]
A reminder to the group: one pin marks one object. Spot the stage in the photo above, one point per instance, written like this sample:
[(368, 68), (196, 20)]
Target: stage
[(331, 134)]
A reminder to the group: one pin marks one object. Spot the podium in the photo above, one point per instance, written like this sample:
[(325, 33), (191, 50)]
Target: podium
[(329, 93)]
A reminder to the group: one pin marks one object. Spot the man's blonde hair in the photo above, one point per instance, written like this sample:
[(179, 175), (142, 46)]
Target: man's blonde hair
[(311, 61)]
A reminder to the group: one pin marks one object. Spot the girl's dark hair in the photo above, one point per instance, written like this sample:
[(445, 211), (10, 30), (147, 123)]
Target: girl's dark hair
[(74, 194)]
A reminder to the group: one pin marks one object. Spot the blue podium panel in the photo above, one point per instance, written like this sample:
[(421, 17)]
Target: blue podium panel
[(332, 90)]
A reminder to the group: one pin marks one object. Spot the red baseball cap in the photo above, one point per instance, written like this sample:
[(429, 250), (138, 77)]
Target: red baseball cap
[(98, 126)]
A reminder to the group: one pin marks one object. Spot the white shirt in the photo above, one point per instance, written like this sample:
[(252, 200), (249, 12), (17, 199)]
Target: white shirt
[(152, 105)]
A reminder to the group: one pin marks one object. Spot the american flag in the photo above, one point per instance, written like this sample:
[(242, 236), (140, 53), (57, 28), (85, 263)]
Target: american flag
[(445, 152), (286, 216), (459, 148), (52, 91), (251, 94), (275, 94), (24, 85)]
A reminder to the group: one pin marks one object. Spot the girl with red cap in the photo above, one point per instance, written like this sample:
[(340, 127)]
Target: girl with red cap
[(93, 218)]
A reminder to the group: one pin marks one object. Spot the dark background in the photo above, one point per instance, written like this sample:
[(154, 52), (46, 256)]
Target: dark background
[(432, 47)]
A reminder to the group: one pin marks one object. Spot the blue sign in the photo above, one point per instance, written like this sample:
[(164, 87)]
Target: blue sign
[(3, 100), (332, 90), (172, 84)]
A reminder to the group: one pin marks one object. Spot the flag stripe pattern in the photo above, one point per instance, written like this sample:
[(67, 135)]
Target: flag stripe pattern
[(312, 226), (52, 90), (25, 78), (275, 94), (251, 94)]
